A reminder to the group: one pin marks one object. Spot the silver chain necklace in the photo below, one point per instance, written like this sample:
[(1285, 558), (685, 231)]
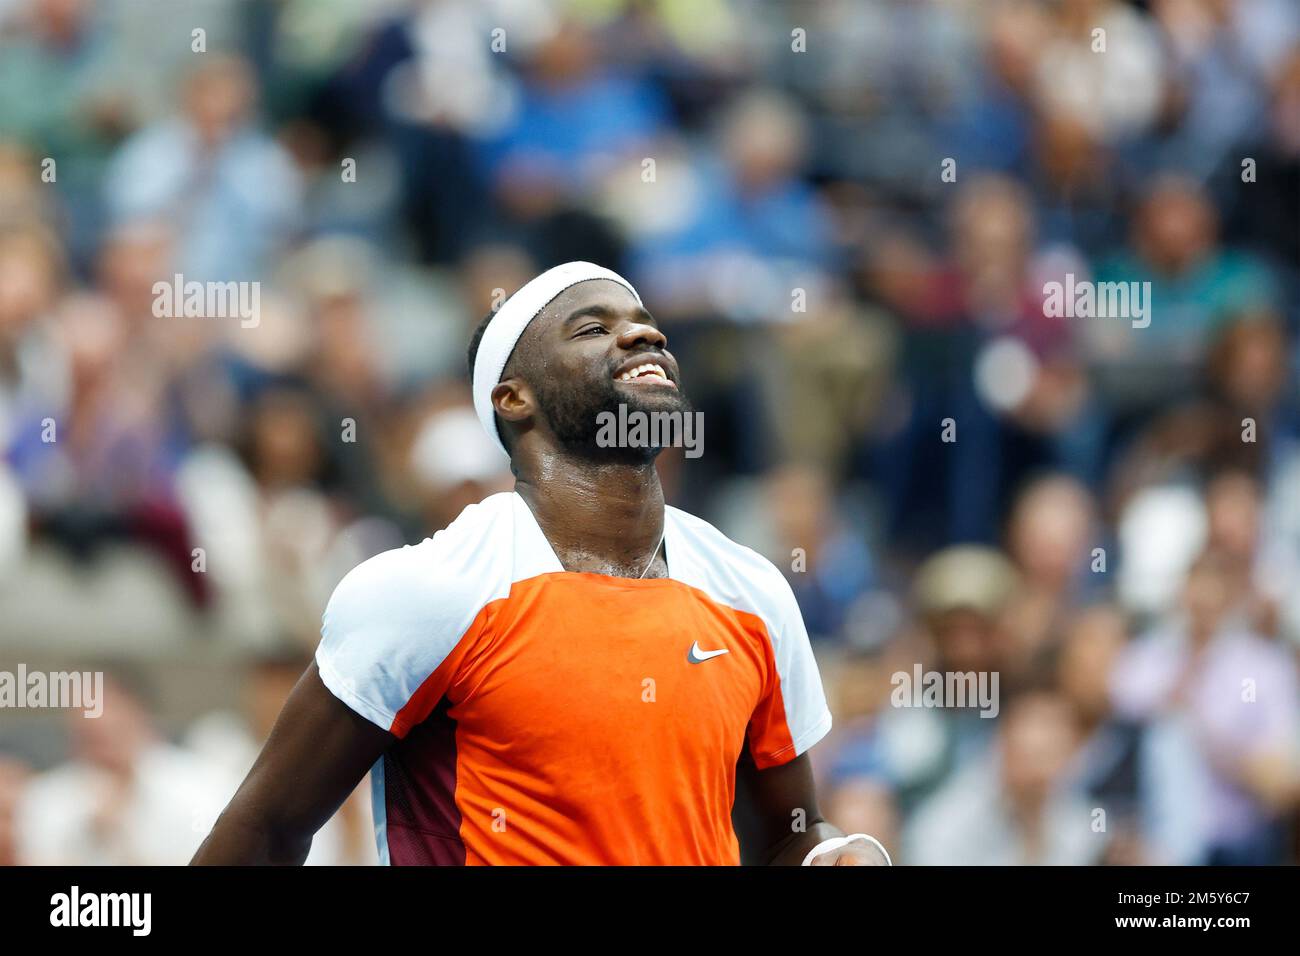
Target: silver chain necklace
[(655, 553)]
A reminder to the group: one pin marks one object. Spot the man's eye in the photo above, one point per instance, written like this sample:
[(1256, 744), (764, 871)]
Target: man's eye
[(594, 328)]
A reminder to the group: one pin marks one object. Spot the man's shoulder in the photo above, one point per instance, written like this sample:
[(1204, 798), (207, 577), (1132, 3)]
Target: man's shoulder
[(727, 569), (714, 543), (460, 563)]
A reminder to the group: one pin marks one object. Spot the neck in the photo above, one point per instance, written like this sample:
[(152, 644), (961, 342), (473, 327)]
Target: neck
[(606, 518)]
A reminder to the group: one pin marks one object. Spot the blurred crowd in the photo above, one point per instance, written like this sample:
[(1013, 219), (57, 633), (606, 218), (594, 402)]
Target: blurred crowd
[(842, 213)]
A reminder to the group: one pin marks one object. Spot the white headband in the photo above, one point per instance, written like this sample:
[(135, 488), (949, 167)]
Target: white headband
[(508, 324)]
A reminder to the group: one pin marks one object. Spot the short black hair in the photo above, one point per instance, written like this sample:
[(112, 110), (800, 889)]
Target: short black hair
[(474, 341)]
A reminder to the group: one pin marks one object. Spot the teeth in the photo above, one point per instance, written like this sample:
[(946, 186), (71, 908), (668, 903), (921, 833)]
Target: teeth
[(651, 368)]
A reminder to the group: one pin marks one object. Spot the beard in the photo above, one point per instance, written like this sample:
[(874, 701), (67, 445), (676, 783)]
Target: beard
[(572, 415)]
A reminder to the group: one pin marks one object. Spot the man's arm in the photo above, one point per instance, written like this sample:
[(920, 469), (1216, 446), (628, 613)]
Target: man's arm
[(318, 750), (785, 823)]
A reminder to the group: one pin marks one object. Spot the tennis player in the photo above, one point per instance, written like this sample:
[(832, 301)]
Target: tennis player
[(571, 672)]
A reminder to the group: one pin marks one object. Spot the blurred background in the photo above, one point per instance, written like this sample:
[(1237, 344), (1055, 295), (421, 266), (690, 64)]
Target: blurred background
[(1106, 533)]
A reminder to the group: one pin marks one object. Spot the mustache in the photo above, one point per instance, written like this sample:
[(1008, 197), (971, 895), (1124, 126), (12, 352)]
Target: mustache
[(650, 353)]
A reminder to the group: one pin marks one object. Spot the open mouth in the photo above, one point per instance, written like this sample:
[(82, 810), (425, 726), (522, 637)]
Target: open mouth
[(649, 373)]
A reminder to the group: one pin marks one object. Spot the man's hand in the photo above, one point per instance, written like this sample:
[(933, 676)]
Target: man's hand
[(857, 852), (782, 796)]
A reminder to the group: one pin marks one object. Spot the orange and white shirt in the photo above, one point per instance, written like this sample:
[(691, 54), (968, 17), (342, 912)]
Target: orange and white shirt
[(556, 717)]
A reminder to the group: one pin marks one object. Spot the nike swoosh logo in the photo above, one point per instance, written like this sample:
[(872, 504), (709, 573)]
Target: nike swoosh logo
[(697, 656)]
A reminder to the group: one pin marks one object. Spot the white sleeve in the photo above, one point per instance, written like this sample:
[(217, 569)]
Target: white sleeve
[(389, 626), (793, 714)]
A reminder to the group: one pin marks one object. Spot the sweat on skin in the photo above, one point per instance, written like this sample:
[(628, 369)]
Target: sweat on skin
[(568, 579)]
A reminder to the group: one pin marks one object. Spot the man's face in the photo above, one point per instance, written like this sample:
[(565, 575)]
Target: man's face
[(592, 349)]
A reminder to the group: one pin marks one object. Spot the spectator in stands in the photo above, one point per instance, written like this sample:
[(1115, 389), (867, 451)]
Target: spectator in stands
[(1017, 808), (1235, 693), (126, 797)]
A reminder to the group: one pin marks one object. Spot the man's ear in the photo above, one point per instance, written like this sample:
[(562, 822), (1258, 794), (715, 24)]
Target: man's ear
[(513, 400)]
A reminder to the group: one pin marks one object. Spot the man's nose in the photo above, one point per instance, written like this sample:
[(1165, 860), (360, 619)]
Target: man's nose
[(643, 334)]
